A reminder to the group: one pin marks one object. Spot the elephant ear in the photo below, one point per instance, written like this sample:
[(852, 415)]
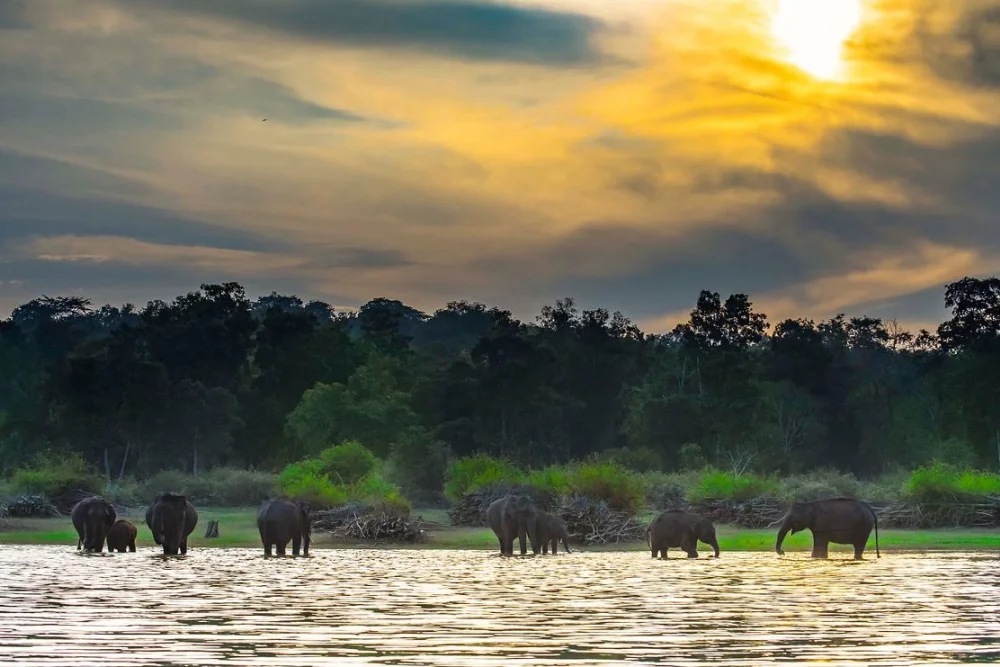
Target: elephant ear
[(304, 507)]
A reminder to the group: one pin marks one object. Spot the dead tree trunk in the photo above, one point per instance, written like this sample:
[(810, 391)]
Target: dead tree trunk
[(213, 529)]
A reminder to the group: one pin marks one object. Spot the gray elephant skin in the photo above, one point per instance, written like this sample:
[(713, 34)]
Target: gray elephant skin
[(552, 529), (837, 520), (679, 528), (92, 517), (514, 516), (171, 518), (121, 537), (281, 521)]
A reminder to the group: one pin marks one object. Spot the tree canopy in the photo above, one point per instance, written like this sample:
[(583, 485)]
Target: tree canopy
[(216, 378)]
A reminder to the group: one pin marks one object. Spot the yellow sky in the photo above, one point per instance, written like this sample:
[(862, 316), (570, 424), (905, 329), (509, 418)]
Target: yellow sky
[(820, 155)]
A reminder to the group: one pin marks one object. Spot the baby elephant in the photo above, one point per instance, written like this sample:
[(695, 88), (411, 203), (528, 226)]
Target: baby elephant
[(678, 528), (551, 529), (122, 536)]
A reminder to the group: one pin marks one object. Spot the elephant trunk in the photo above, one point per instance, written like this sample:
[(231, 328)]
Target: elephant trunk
[(785, 527), (533, 534)]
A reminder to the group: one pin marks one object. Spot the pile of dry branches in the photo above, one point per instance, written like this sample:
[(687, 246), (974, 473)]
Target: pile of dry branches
[(984, 514), (30, 507), (593, 522), (356, 522), (753, 513)]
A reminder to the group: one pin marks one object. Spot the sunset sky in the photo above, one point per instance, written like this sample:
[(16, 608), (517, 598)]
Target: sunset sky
[(819, 155)]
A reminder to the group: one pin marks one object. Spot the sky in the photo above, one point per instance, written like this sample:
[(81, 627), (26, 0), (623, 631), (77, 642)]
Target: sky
[(822, 156)]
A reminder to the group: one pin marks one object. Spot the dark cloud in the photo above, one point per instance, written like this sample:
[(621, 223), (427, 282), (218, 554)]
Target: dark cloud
[(28, 213), (14, 15), (465, 29), (926, 305), (353, 257), (970, 50)]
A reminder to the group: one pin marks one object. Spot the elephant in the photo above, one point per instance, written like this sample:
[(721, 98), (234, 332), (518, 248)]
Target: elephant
[(121, 537), (837, 520), (171, 518), (92, 517), (512, 516), (552, 528), (281, 520), (679, 528)]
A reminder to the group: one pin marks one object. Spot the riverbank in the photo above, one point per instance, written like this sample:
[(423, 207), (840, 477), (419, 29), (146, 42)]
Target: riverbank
[(238, 528)]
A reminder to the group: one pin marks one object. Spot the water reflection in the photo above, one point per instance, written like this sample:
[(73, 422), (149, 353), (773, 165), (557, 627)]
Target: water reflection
[(471, 608)]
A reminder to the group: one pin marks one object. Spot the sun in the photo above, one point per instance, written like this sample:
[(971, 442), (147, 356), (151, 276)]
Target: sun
[(812, 33)]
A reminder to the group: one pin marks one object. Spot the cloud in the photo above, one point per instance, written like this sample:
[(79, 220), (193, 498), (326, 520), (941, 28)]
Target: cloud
[(14, 15), (465, 29)]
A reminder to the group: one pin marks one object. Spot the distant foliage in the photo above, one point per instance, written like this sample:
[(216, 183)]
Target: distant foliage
[(720, 485), (348, 462), (620, 488), (943, 482), (55, 475), (477, 472)]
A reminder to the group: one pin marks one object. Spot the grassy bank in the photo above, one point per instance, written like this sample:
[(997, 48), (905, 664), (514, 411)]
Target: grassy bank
[(237, 528)]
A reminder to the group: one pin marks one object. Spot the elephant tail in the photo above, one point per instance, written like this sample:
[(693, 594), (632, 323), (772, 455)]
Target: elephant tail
[(875, 517)]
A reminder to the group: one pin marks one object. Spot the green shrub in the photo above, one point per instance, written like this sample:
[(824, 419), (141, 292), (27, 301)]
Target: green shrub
[(943, 482), (348, 462), (553, 480), (720, 485), (418, 464), (173, 481), (55, 475), (820, 484), (126, 493), (611, 482), (665, 490), (477, 472), (305, 481), (375, 492), (233, 487)]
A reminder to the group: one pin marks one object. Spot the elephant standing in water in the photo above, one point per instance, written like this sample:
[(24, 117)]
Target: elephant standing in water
[(92, 517), (171, 518), (552, 528), (678, 528), (282, 520), (837, 520), (121, 537), (512, 516)]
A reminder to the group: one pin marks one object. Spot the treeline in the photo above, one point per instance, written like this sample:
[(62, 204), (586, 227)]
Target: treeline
[(214, 378)]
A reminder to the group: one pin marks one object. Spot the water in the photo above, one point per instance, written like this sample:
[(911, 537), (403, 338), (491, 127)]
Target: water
[(474, 609)]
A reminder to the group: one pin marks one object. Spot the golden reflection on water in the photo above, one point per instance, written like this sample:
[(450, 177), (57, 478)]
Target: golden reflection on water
[(471, 608)]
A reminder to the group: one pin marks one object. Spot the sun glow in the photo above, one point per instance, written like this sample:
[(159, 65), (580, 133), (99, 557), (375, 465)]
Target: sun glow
[(813, 32)]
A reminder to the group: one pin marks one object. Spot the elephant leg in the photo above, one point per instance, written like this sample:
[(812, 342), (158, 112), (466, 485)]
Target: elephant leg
[(821, 548), (281, 546), (502, 546), (664, 551), (184, 546), (859, 550), (522, 535), (296, 545), (267, 547), (131, 546)]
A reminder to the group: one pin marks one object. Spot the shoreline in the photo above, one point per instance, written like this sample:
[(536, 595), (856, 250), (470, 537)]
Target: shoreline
[(237, 528)]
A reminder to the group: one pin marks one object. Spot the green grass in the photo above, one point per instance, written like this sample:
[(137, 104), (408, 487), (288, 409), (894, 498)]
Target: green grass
[(238, 528)]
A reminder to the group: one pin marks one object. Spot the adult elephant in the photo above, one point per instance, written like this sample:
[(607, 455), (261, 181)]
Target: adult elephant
[(171, 518), (552, 529), (121, 537), (282, 520), (512, 516), (679, 528), (837, 520), (92, 517)]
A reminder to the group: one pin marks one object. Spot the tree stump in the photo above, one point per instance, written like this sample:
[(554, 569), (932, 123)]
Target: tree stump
[(213, 528)]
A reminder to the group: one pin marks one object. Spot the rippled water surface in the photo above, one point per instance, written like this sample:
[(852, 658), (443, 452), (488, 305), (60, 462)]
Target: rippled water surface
[(469, 608)]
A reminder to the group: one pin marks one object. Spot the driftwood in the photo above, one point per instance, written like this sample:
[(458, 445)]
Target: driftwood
[(212, 530), (982, 514), (594, 522), (356, 522), (30, 507), (754, 513)]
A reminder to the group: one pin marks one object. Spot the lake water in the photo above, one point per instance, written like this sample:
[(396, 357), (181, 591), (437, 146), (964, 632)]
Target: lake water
[(474, 609)]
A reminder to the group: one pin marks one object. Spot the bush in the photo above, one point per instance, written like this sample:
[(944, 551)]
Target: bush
[(305, 481), (232, 487), (57, 475), (380, 495), (663, 490), (638, 459), (943, 482), (552, 481), (820, 484), (348, 462), (720, 485), (611, 482), (418, 464), (477, 472), (173, 481)]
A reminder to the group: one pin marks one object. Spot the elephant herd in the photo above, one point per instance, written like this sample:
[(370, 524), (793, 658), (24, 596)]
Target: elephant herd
[(837, 520), (171, 518)]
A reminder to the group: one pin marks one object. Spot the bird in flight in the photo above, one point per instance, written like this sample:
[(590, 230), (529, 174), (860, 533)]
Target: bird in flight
[(263, 120)]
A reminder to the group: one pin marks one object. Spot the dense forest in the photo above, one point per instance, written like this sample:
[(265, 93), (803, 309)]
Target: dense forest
[(214, 378)]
